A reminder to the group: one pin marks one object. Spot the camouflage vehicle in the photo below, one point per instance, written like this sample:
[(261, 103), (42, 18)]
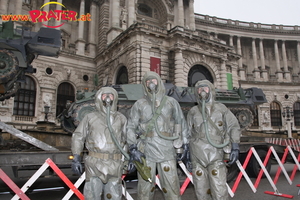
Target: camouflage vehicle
[(240, 101), (18, 48)]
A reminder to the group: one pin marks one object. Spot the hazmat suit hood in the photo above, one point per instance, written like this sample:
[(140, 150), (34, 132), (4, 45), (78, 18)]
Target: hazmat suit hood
[(101, 105), (160, 88), (212, 92)]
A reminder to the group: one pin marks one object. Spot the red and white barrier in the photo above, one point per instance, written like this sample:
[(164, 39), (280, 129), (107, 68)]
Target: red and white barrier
[(263, 170), (20, 193), (292, 142), (13, 186)]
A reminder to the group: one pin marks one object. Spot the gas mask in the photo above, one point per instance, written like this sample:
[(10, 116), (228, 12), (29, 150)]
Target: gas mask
[(151, 85), (204, 93), (107, 99)]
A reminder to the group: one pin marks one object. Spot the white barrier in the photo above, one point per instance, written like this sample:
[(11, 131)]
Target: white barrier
[(20, 193)]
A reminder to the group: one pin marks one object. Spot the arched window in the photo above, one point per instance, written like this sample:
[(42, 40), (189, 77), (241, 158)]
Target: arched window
[(198, 73), (275, 112), (122, 76), (65, 92), (24, 102), (144, 9), (296, 109)]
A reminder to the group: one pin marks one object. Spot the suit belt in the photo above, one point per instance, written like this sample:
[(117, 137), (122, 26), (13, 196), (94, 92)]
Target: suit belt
[(106, 156), (215, 138)]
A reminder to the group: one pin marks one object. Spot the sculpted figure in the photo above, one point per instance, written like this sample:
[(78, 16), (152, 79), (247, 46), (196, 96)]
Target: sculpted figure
[(156, 128), (213, 128), (103, 165)]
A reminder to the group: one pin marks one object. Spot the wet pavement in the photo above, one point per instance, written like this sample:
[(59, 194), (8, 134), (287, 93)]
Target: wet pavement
[(243, 192)]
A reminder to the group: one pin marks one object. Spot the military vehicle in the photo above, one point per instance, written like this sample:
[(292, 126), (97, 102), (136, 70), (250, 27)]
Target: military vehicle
[(18, 48), (241, 102)]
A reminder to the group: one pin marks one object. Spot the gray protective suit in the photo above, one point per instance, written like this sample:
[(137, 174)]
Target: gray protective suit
[(209, 170), (104, 163), (160, 153)]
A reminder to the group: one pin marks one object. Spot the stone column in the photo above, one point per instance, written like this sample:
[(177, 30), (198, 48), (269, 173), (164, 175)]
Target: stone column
[(298, 56), (115, 14), (179, 65), (230, 40), (3, 7), (279, 71), (262, 60), (80, 43), (58, 7), (18, 7), (46, 8), (240, 61), (254, 56), (192, 15), (131, 12), (180, 13), (92, 30), (18, 10), (114, 22), (287, 74), (223, 75)]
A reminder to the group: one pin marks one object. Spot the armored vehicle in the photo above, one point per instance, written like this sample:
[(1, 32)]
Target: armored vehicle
[(18, 48), (240, 101)]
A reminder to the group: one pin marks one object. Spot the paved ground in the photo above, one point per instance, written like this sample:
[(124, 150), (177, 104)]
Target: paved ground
[(243, 192)]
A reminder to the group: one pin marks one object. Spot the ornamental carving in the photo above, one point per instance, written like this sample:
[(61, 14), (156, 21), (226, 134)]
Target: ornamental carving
[(170, 4)]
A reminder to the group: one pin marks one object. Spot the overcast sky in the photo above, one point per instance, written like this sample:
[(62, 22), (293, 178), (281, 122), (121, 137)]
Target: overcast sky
[(286, 12)]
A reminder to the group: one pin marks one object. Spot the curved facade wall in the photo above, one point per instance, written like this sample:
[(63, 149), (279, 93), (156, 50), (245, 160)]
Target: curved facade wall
[(169, 37)]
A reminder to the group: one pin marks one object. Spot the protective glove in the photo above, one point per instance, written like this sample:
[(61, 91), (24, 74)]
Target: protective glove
[(135, 155), (185, 154), (76, 164), (234, 155), (185, 157), (131, 167)]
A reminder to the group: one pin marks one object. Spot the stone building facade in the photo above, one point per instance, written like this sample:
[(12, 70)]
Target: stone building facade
[(122, 39)]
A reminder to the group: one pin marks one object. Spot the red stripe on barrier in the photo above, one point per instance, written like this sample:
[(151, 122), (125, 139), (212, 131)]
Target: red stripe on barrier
[(13, 186), (280, 195), (261, 170), (295, 169), (238, 179), (65, 179), (184, 185), (279, 168)]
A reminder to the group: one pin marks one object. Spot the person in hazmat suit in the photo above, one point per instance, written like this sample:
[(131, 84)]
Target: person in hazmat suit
[(156, 129), (103, 164), (213, 129)]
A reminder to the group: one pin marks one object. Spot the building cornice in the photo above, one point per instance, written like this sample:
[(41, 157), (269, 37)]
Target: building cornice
[(246, 26)]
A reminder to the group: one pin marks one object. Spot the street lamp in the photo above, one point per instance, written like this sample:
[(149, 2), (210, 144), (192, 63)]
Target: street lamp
[(288, 114), (46, 110)]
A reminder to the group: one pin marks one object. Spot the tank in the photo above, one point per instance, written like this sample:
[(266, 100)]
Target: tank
[(241, 102), (18, 48)]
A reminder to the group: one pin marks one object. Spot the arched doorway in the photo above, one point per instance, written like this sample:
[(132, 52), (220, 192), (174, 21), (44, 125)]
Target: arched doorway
[(122, 76), (198, 73), (65, 92)]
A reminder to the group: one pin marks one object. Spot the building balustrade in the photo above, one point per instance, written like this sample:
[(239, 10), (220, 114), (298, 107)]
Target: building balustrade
[(274, 27)]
